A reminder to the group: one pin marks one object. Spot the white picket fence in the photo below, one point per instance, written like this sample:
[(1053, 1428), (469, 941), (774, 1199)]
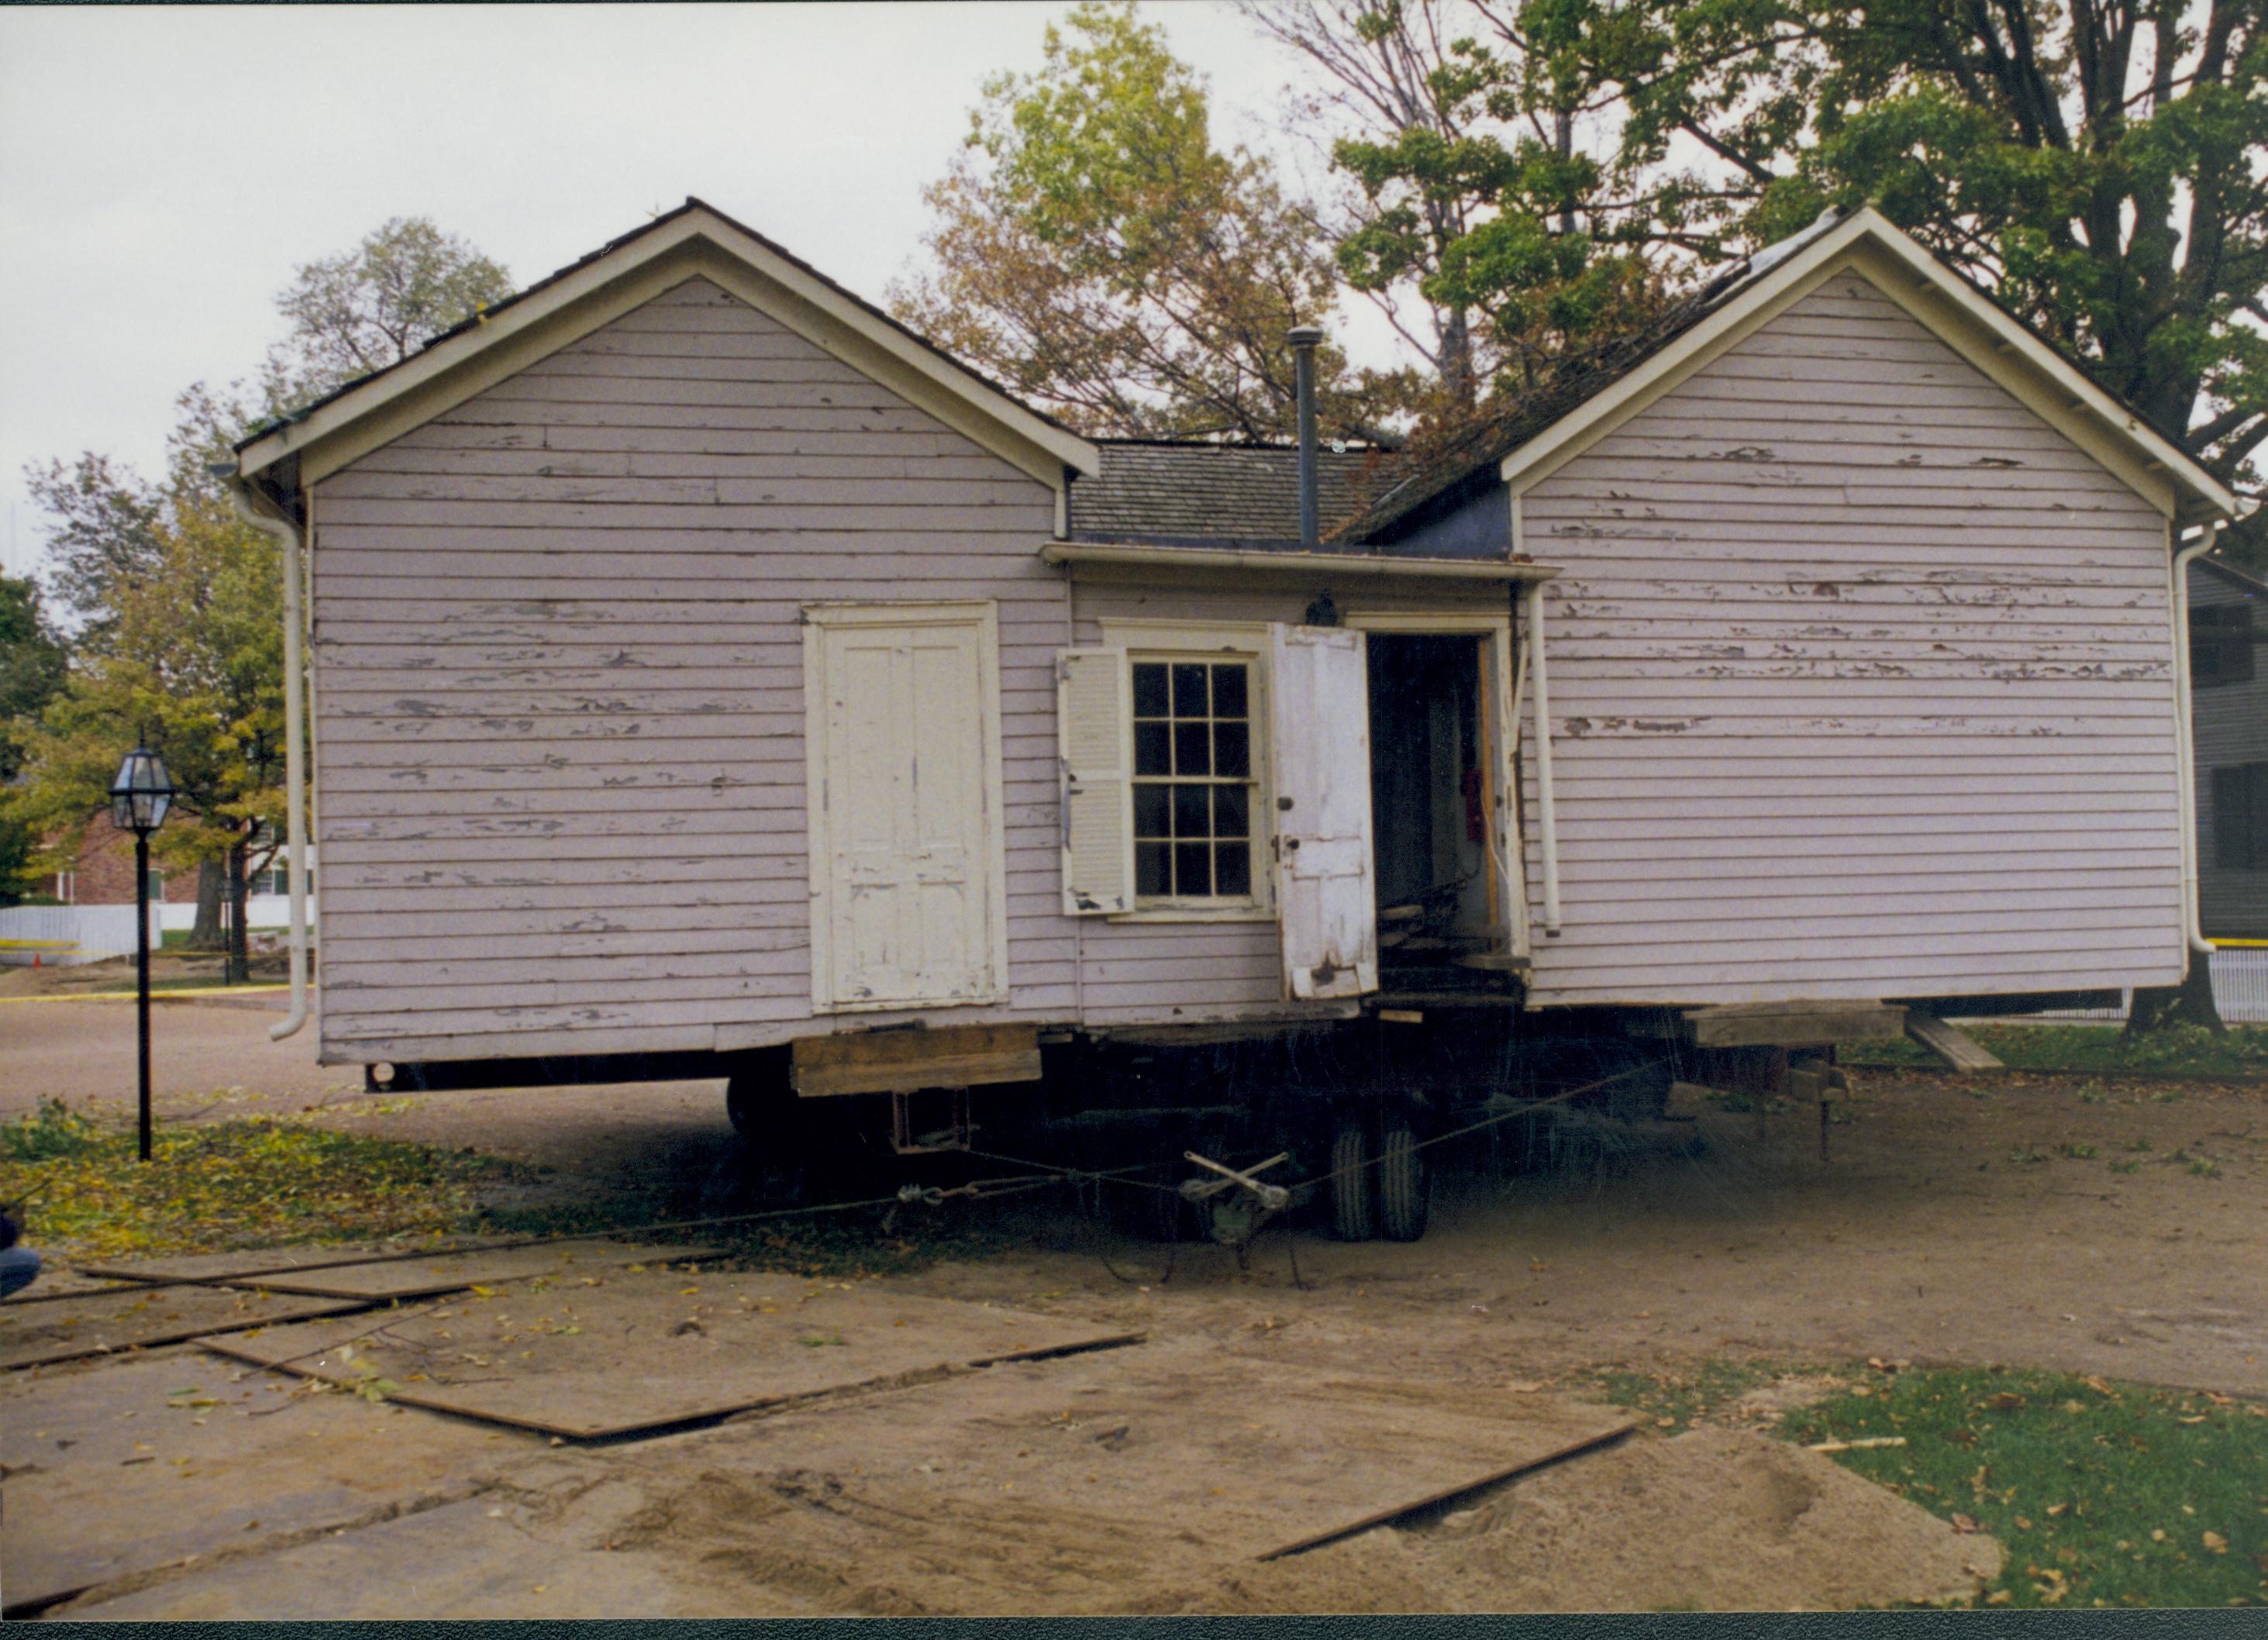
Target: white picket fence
[(65, 935), (2240, 989)]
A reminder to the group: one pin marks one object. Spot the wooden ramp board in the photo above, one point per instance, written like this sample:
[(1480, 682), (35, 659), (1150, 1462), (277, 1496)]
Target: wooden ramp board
[(1129, 1452), (642, 1351), (452, 1272), (95, 1324), (1951, 1047), (246, 1262)]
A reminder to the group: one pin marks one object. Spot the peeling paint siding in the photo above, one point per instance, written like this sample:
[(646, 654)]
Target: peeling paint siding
[(561, 690), (1862, 683), (2232, 727)]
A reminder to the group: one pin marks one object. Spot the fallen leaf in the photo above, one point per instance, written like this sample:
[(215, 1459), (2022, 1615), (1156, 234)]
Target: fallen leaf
[(2217, 1543), (1963, 1524)]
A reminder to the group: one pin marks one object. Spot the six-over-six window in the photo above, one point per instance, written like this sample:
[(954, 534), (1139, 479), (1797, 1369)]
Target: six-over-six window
[(1193, 780)]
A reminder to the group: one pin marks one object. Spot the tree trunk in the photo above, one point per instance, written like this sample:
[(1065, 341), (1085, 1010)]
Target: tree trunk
[(2190, 1003), (204, 934), (239, 947)]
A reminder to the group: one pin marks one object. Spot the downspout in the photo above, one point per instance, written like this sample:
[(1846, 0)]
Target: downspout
[(2185, 709), (1547, 817), (295, 770)]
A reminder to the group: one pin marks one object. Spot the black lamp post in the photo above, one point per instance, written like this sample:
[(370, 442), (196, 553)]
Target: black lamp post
[(139, 798)]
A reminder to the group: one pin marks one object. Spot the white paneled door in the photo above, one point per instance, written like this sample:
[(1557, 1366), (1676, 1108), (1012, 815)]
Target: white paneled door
[(908, 873), (1326, 889)]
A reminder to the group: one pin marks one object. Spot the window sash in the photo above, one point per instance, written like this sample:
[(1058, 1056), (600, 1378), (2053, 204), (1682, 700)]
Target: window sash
[(1212, 840)]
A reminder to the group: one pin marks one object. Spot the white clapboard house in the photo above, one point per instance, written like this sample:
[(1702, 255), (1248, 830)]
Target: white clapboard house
[(703, 662)]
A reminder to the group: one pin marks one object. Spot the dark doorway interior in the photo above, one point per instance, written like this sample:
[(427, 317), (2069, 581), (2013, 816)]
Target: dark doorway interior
[(1427, 799)]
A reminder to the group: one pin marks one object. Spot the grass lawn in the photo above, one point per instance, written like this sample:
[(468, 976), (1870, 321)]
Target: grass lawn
[(267, 1182), (248, 1182), (2180, 1049), (2103, 1493)]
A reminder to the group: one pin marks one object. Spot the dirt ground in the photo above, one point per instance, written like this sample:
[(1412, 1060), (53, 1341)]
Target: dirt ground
[(2018, 1221)]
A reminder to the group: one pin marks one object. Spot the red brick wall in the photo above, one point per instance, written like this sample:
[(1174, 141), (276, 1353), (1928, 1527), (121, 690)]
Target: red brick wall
[(105, 873)]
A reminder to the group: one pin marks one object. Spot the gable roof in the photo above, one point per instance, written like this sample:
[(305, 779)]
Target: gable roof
[(1534, 435), (2251, 586), (694, 240), (1159, 490)]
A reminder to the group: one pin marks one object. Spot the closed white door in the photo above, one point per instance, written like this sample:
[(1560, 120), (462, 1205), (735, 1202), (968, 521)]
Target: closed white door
[(1326, 882), (908, 874)]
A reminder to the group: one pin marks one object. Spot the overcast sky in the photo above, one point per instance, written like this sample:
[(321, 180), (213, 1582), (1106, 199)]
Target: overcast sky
[(164, 171)]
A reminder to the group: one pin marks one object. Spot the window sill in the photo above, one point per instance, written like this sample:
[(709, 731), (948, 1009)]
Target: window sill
[(1195, 914)]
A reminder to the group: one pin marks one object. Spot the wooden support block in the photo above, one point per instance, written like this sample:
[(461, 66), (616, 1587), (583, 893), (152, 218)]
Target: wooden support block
[(1792, 1025), (906, 1062), (1495, 962), (1953, 1050)]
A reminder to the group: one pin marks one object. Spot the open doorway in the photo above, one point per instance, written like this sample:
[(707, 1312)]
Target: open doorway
[(1430, 807)]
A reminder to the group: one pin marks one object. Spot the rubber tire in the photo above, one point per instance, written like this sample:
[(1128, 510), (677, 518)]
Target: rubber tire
[(1350, 1185), (1405, 1185)]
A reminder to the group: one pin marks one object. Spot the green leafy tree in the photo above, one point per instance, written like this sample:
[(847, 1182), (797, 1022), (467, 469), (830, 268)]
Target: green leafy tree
[(1469, 187), (2101, 167), (375, 305), (32, 664), (194, 663), (1096, 253)]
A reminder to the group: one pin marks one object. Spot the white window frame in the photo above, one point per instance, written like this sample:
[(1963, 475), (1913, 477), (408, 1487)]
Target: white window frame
[(1245, 641)]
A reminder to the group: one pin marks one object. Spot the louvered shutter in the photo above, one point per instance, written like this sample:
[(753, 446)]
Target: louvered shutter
[(1093, 719)]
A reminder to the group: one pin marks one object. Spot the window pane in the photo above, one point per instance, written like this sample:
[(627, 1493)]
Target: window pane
[(1149, 690), (1234, 864), (1189, 699), (1232, 811), (1192, 868), (1232, 750), (1152, 811), (1228, 691), (1192, 812), (1154, 748), (1191, 754), (1150, 869)]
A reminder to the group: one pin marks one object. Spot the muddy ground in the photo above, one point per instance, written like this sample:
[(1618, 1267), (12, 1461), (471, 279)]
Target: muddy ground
[(2114, 1228)]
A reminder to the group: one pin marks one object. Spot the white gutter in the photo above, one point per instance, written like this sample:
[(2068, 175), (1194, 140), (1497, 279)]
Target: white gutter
[(2184, 707), (1547, 817), (295, 770), (1325, 563)]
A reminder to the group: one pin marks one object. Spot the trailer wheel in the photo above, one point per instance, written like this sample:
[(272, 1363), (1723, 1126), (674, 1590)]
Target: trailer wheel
[(1351, 1219), (1405, 1187)]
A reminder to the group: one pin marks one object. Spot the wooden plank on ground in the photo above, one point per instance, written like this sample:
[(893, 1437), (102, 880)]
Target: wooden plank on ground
[(1139, 1452), (97, 1324), (245, 1262), (906, 1062), (639, 1351), (1793, 1023), (453, 1272), (1951, 1047)]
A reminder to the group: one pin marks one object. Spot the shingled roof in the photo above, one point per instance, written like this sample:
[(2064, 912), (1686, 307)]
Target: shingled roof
[(1217, 493)]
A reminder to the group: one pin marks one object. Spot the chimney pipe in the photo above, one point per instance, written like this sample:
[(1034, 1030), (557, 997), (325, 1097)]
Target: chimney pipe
[(1304, 341)]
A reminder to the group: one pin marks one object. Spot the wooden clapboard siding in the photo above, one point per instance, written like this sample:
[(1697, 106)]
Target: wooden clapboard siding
[(560, 689), (1861, 686), (2232, 728)]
